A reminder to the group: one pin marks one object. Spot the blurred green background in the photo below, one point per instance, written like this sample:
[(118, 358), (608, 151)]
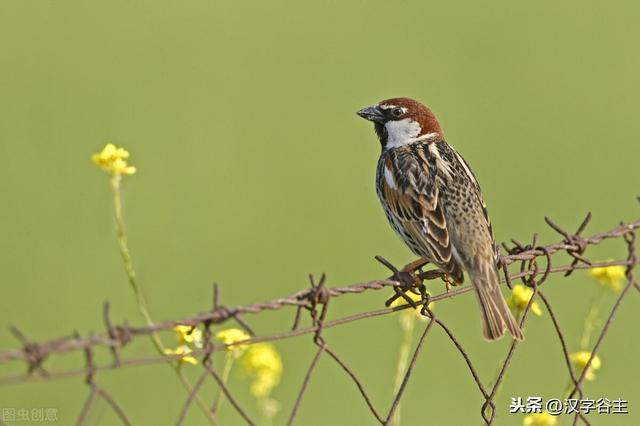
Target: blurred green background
[(253, 171)]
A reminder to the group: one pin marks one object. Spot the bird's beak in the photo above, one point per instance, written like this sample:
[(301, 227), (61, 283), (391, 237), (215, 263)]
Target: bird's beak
[(372, 113)]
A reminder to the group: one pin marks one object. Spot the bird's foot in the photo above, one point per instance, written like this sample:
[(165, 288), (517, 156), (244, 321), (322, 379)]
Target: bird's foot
[(416, 265), (425, 311), (438, 274)]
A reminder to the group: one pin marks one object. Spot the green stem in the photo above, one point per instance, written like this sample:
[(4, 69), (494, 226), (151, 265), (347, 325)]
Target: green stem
[(140, 299), (590, 322), (403, 363), (228, 363), (591, 319), (126, 258)]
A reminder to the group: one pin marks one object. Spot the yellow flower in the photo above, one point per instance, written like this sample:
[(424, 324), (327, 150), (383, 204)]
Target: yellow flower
[(580, 360), (540, 419), (189, 335), (400, 301), (114, 160), (408, 316), (610, 276), (184, 351), (263, 363), (231, 336), (519, 299)]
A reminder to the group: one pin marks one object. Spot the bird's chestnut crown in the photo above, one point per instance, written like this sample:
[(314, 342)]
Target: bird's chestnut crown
[(400, 121)]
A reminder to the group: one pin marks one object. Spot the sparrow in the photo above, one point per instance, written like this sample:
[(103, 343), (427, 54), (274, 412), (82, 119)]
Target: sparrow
[(434, 203)]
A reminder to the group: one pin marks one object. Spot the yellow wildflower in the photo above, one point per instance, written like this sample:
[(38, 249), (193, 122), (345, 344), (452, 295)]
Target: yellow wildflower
[(231, 336), (519, 299), (263, 363), (184, 351), (189, 335), (408, 316), (580, 360), (540, 419), (609, 276), (114, 160)]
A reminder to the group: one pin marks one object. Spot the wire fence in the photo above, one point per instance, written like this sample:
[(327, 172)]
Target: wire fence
[(531, 263)]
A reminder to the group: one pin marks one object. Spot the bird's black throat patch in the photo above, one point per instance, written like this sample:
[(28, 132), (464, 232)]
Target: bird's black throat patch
[(381, 131)]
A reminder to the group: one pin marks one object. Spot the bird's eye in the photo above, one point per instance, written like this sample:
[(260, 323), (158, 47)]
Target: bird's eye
[(397, 112)]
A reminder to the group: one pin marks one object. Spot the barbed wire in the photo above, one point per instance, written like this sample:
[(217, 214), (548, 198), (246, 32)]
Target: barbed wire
[(318, 295)]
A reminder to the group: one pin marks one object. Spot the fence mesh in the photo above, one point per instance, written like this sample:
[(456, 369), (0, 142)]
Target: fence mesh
[(532, 263)]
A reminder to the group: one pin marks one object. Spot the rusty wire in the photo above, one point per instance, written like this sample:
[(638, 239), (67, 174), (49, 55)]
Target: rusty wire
[(318, 295)]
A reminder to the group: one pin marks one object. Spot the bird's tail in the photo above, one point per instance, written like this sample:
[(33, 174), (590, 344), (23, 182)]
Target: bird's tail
[(496, 315)]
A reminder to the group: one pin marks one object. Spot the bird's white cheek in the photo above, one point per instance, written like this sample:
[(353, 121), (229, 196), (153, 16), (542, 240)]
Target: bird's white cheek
[(401, 132)]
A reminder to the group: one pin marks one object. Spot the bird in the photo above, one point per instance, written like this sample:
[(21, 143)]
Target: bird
[(434, 203)]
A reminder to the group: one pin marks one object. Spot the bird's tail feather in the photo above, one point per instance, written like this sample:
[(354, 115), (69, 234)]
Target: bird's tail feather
[(496, 316)]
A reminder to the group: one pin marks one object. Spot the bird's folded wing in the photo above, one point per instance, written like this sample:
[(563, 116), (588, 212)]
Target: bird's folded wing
[(478, 195), (409, 187)]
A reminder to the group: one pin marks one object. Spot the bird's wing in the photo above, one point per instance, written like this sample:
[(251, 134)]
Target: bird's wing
[(477, 192), (408, 185)]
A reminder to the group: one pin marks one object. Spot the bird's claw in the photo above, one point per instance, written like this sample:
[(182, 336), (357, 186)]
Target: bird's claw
[(438, 274)]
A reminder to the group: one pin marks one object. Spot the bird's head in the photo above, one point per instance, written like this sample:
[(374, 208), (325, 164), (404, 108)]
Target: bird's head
[(401, 121)]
